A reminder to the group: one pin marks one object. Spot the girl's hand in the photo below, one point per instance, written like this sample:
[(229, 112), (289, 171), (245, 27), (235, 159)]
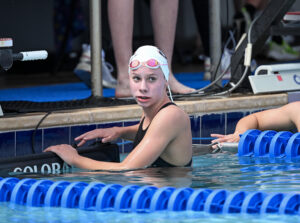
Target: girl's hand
[(64, 151), (235, 137), (107, 135)]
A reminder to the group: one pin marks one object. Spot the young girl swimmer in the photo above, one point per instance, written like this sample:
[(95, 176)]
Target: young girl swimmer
[(163, 136)]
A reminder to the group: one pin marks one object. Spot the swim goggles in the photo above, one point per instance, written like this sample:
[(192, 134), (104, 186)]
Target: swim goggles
[(151, 63)]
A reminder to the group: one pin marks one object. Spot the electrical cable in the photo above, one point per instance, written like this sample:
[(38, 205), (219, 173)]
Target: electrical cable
[(219, 77), (200, 92), (247, 62), (35, 130), (248, 51), (218, 65)]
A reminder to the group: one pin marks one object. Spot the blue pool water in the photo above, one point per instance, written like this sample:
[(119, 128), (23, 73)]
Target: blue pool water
[(214, 171), (55, 215)]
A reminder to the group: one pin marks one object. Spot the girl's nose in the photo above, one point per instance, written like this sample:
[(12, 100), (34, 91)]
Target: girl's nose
[(143, 86)]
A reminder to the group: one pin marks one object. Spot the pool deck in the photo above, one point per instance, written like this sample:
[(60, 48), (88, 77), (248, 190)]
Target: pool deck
[(192, 106)]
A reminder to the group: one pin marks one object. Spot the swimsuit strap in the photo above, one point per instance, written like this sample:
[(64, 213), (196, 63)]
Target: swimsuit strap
[(160, 162), (141, 133), (166, 105)]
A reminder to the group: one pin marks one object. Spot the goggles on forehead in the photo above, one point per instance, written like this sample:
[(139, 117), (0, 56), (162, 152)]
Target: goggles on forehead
[(151, 63)]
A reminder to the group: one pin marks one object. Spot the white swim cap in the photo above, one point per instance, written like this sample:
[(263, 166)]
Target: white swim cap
[(145, 53)]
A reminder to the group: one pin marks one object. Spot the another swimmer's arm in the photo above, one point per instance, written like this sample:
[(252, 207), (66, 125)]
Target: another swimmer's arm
[(282, 118), (293, 113), (260, 120), (248, 122)]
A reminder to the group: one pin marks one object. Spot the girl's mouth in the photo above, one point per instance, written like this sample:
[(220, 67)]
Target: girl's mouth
[(142, 98)]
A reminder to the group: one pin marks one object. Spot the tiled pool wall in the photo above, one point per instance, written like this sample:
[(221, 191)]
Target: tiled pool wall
[(20, 142)]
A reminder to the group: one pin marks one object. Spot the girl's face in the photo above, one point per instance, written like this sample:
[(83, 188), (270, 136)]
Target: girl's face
[(148, 86)]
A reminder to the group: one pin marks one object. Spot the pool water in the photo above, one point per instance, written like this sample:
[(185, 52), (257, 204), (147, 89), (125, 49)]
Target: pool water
[(16, 213), (214, 171)]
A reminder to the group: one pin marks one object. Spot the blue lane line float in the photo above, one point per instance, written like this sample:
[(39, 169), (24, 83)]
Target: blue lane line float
[(293, 146), (124, 198), (247, 142), (262, 143), (234, 202), (269, 146), (20, 191), (6, 187), (160, 198), (252, 203), (88, 196), (71, 195), (97, 196), (197, 199), (142, 199), (278, 144), (106, 197), (178, 199), (290, 204), (271, 203), (54, 193), (215, 201), (37, 192)]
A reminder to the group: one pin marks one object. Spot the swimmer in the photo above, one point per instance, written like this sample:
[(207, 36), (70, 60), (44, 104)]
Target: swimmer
[(163, 136), (284, 118)]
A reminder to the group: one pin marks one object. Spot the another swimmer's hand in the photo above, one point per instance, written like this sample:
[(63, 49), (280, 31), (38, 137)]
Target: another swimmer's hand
[(235, 137), (64, 151), (106, 135)]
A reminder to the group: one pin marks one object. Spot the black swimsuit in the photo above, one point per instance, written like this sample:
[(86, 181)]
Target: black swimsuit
[(140, 135)]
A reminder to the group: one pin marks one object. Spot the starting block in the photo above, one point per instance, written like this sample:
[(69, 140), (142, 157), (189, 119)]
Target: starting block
[(276, 78)]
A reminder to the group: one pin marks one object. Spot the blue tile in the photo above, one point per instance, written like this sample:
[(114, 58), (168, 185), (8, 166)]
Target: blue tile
[(212, 123), (24, 140), (129, 123), (195, 128), (121, 146), (109, 125), (232, 120), (246, 113), (79, 130), (7, 144), (128, 145), (55, 136)]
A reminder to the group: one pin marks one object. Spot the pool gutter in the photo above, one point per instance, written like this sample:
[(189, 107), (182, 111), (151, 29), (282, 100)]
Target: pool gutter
[(133, 112)]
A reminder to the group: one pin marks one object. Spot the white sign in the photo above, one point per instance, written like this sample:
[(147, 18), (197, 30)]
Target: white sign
[(276, 78), (6, 42)]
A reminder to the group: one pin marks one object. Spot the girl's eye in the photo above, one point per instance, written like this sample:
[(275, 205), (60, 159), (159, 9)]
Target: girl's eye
[(152, 79), (136, 78)]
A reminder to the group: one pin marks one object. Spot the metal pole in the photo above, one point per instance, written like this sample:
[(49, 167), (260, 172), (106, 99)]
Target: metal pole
[(215, 34), (96, 46)]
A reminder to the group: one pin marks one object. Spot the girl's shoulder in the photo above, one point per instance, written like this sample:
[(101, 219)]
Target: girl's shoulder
[(173, 113)]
